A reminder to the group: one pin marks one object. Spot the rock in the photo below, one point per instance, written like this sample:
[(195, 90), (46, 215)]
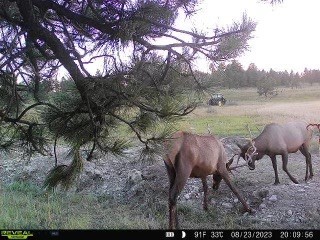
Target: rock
[(134, 176), (261, 193), (245, 214), (289, 213), (227, 205), (262, 206), (187, 196), (213, 202), (273, 198)]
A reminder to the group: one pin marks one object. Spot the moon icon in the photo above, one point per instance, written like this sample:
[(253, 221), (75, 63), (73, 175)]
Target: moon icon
[(183, 234)]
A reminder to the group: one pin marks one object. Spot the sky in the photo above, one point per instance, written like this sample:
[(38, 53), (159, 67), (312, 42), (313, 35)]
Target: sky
[(287, 35)]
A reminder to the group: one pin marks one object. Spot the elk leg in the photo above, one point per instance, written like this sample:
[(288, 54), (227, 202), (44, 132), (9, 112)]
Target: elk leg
[(216, 179), (310, 167), (171, 174), (307, 169), (275, 169), (304, 150), (172, 202), (284, 167), (182, 175), (227, 179), (205, 193), (173, 195)]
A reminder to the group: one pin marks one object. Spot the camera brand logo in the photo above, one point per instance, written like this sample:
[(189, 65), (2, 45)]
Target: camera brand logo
[(16, 234)]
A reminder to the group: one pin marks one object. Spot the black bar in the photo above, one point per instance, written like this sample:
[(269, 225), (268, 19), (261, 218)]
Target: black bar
[(159, 234)]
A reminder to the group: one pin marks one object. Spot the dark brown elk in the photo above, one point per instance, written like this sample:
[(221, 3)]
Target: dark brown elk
[(276, 139), (190, 155)]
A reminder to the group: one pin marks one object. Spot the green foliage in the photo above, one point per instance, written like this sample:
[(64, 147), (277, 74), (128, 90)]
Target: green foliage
[(137, 26), (7, 137), (265, 86), (235, 76), (311, 76), (63, 174), (233, 45)]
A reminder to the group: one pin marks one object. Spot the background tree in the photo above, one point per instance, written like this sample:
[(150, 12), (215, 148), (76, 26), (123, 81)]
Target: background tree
[(218, 75), (266, 85), (311, 76), (142, 87), (234, 75), (252, 75)]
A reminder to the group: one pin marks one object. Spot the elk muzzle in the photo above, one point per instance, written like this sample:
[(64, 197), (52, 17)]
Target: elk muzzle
[(250, 159), (251, 165), (250, 156)]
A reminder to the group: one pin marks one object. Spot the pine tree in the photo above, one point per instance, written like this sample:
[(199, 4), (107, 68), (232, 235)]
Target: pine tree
[(145, 85)]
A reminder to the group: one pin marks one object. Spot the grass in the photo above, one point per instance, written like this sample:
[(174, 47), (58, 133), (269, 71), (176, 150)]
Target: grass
[(224, 125), (305, 93), (26, 206), (245, 108)]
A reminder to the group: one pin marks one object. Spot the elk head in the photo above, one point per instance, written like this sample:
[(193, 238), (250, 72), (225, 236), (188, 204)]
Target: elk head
[(249, 153)]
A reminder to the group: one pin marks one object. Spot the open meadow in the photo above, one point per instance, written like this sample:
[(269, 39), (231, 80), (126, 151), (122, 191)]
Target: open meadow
[(245, 107), (123, 193)]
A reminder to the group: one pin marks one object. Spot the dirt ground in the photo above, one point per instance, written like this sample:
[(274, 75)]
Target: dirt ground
[(286, 205), (283, 206)]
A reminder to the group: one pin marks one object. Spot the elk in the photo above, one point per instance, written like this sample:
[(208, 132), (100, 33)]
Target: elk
[(195, 156), (276, 139)]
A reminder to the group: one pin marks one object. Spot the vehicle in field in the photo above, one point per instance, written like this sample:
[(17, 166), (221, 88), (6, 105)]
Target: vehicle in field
[(217, 99)]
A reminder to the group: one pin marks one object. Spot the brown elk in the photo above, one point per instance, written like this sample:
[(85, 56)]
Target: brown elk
[(195, 156), (276, 139)]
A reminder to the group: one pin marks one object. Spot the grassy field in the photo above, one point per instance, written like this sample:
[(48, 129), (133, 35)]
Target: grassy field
[(223, 125), (25, 206), (250, 95), (245, 108)]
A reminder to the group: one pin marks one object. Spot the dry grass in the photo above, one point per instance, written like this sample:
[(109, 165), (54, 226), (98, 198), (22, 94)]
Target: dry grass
[(281, 111)]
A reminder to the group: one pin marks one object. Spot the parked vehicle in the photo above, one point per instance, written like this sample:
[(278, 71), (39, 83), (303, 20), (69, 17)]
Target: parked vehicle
[(217, 100)]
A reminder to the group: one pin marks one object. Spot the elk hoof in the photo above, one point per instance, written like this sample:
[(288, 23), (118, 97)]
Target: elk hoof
[(276, 183), (251, 211), (205, 207), (215, 187), (248, 210)]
